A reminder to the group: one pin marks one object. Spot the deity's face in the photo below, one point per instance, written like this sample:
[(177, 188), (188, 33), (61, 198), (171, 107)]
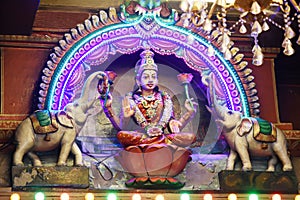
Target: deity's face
[(148, 80)]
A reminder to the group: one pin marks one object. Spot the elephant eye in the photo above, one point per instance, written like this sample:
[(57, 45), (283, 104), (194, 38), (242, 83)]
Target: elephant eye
[(230, 112)]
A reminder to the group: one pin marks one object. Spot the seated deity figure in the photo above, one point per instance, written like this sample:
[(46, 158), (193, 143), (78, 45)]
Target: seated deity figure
[(151, 109)]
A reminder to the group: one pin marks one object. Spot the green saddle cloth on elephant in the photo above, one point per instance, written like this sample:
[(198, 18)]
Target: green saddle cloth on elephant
[(43, 122), (263, 130)]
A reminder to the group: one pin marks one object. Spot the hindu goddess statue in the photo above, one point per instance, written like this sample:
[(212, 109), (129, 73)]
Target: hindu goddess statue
[(152, 110)]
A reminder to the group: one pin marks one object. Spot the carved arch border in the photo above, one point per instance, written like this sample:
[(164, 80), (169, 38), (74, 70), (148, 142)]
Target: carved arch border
[(112, 35)]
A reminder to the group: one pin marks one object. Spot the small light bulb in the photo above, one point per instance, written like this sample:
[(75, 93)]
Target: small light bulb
[(232, 197), (184, 197), (64, 196), (253, 197), (207, 197), (39, 196), (276, 197), (89, 196), (15, 196), (297, 197), (111, 196), (160, 197), (136, 197)]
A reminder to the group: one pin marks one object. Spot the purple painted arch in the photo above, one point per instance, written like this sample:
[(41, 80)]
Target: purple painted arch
[(100, 43)]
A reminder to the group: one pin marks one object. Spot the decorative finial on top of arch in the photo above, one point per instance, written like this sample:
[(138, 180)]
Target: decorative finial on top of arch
[(150, 4), (133, 10)]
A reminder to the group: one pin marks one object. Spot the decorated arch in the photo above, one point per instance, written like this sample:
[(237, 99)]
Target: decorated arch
[(137, 27)]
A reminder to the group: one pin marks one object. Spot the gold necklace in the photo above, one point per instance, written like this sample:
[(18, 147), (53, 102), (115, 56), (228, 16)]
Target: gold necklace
[(149, 97)]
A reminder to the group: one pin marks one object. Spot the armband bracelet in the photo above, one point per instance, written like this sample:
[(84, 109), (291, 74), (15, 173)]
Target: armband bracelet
[(143, 124), (147, 128), (106, 108), (186, 116), (163, 125)]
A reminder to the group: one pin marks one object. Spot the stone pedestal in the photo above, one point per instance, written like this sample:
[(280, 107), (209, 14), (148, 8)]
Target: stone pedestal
[(258, 181), (71, 177), (5, 166)]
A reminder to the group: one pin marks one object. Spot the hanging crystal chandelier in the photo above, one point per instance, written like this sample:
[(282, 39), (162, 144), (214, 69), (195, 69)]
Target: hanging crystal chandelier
[(254, 17)]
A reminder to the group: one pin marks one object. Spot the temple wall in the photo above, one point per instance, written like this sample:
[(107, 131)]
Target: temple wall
[(266, 87), (288, 99), (21, 72), (23, 59)]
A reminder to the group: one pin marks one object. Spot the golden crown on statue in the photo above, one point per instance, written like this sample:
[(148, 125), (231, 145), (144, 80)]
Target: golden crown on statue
[(145, 63)]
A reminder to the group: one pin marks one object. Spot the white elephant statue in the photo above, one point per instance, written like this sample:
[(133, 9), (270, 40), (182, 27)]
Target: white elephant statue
[(47, 130), (30, 137), (249, 137)]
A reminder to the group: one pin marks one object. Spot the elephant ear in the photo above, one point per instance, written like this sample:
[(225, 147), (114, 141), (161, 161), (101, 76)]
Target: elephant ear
[(244, 127), (65, 119)]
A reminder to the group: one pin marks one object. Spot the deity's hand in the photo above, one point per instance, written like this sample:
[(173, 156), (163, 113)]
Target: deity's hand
[(154, 131), (190, 105), (175, 126), (127, 109)]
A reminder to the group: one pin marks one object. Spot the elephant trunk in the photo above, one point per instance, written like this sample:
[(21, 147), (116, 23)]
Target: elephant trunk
[(217, 109), (79, 110), (84, 98)]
